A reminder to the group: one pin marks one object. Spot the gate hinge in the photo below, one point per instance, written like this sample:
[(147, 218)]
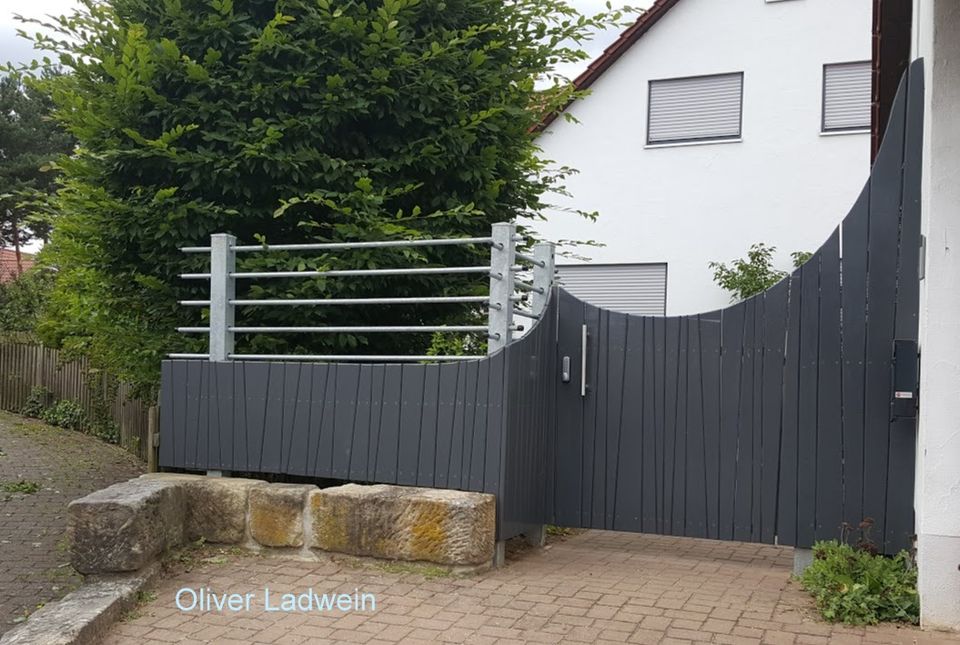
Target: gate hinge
[(922, 260)]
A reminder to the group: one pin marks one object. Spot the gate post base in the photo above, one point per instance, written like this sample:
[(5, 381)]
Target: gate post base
[(536, 536), (499, 554), (802, 558)]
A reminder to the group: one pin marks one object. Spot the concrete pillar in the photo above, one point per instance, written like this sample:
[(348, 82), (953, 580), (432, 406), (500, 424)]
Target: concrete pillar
[(937, 40)]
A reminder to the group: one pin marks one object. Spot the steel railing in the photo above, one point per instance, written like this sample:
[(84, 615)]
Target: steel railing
[(506, 290)]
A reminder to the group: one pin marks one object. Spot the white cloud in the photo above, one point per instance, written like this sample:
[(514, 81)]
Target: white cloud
[(12, 47)]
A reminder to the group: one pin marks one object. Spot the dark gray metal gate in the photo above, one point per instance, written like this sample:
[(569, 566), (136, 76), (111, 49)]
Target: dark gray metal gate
[(772, 420)]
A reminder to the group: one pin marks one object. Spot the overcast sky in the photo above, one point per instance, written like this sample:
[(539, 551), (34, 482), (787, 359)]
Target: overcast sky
[(15, 49)]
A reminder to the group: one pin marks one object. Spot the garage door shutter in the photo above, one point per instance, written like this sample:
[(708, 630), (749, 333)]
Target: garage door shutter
[(629, 288)]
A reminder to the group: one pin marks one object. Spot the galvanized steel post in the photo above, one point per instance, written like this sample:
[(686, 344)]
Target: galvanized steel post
[(223, 263), (543, 269), (502, 256)]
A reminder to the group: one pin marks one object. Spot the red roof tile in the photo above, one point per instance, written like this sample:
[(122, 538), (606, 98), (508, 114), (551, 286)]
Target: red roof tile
[(8, 264)]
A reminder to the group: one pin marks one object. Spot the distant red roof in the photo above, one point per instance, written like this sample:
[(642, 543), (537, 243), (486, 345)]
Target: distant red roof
[(613, 53), (8, 264)]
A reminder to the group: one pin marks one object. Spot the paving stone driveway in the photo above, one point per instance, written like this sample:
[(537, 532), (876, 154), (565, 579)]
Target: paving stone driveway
[(34, 563), (595, 587)]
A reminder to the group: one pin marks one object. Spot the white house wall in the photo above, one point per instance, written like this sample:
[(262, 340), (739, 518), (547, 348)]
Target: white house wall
[(937, 40), (784, 183)]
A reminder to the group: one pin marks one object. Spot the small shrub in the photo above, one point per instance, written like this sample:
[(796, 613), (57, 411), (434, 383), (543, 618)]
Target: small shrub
[(749, 276), (38, 401), (105, 430), (22, 486), (66, 414), (103, 393), (852, 585), (71, 415)]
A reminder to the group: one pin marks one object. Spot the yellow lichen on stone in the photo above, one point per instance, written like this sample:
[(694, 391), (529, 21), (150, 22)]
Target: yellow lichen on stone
[(331, 521), (276, 514), (428, 531), (404, 523)]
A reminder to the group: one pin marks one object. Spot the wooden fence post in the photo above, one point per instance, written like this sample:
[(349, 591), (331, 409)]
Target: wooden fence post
[(152, 438)]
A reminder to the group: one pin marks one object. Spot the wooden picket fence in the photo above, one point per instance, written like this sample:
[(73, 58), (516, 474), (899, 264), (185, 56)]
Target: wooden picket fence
[(25, 366)]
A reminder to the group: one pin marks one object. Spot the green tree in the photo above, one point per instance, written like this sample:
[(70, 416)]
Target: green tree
[(291, 121), (746, 277), (29, 141), (22, 300)]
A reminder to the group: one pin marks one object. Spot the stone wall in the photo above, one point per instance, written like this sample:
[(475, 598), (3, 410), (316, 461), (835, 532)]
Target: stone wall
[(129, 525)]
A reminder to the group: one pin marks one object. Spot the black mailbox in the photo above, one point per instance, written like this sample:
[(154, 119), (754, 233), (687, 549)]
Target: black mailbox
[(906, 380)]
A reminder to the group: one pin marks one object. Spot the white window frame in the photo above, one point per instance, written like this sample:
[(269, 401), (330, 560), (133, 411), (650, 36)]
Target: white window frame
[(824, 130), (736, 138)]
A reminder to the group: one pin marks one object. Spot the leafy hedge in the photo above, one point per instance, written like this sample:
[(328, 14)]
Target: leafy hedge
[(290, 121)]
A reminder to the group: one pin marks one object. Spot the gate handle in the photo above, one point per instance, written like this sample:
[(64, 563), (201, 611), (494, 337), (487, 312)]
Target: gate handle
[(583, 361)]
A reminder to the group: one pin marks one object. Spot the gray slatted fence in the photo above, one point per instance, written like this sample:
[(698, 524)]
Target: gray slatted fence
[(471, 425)]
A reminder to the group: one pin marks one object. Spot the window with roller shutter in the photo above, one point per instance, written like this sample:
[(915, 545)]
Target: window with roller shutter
[(696, 108), (847, 91), (639, 289)]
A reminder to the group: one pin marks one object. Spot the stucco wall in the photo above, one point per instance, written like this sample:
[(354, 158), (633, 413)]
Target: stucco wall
[(937, 39), (784, 184)]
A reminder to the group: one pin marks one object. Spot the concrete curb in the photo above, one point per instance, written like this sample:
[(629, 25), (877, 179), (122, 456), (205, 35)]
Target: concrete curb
[(84, 616)]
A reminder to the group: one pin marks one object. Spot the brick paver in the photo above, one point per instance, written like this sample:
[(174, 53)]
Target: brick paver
[(34, 561), (596, 587)]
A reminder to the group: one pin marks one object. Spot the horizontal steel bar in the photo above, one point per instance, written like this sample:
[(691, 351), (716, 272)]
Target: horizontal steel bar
[(343, 330), (349, 301), (361, 358), (531, 259), (357, 301), (349, 272), (358, 330), (331, 246), (523, 286), (359, 272), (526, 314), (204, 356)]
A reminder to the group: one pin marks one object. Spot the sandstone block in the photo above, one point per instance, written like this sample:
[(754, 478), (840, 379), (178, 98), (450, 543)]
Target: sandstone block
[(404, 523), (126, 526), (337, 518), (216, 506), (276, 514)]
